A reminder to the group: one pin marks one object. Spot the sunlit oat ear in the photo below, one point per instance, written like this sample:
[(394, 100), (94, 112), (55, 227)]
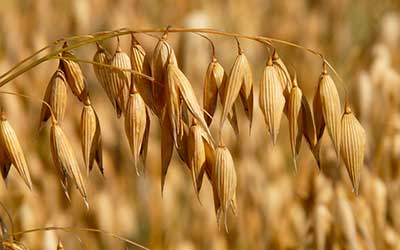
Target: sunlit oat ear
[(331, 108), (74, 75), (91, 137), (352, 146), (65, 161), (225, 181), (295, 120), (56, 96), (12, 151), (271, 99)]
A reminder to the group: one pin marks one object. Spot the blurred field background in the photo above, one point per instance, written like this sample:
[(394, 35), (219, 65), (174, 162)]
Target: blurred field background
[(277, 209)]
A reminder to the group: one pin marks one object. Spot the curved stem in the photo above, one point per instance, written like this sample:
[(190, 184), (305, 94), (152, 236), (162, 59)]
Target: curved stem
[(99, 36), (210, 41), (74, 229)]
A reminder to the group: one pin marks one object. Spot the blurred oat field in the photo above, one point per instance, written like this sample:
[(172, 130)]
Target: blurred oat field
[(277, 208)]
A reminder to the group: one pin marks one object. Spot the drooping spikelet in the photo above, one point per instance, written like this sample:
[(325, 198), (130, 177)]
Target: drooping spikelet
[(196, 155), (120, 79), (103, 74), (135, 126), (295, 120), (74, 75), (283, 73), (352, 146), (210, 90), (239, 81), (91, 137), (163, 54), (331, 108), (140, 63), (60, 245), (65, 160), (56, 97), (225, 181), (12, 151), (177, 78), (272, 100)]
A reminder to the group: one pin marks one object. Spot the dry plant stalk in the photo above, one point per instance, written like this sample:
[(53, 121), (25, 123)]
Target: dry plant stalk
[(12, 151), (65, 161), (91, 137), (352, 146), (74, 75), (56, 97), (272, 100)]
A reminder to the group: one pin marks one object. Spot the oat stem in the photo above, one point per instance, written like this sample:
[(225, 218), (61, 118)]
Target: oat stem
[(100, 36)]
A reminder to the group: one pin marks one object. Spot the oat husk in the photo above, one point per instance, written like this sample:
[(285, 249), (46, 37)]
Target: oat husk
[(271, 100), (352, 146), (74, 75), (56, 97), (12, 151), (91, 138)]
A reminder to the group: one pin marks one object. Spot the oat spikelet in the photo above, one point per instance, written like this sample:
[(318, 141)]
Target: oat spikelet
[(196, 156), (74, 75), (240, 79), (135, 126), (176, 76), (331, 108), (352, 146), (65, 161), (120, 80), (103, 74), (173, 102), (225, 180), (13, 150), (295, 120), (271, 99), (56, 97), (163, 54), (140, 63), (91, 137), (210, 91), (284, 76)]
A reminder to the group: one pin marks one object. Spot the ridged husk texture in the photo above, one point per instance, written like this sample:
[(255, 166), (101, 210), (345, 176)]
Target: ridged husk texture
[(56, 97), (12, 151), (272, 100), (65, 161), (91, 138), (352, 146)]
